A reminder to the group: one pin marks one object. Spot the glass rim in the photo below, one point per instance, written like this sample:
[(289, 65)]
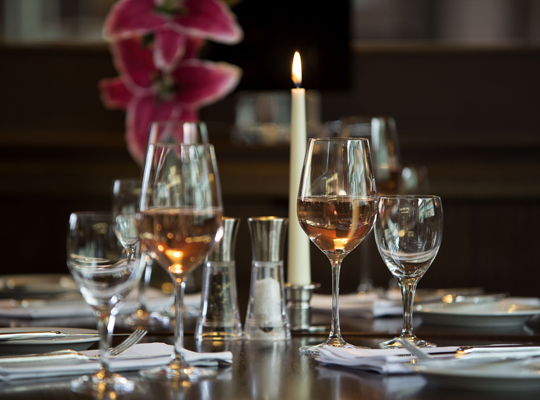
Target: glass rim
[(179, 122), (409, 196), (165, 144), (339, 139)]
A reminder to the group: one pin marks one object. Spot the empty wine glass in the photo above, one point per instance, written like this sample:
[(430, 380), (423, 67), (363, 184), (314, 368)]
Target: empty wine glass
[(180, 220), (126, 197), (105, 275), (178, 132), (408, 233), (126, 194), (337, 205)]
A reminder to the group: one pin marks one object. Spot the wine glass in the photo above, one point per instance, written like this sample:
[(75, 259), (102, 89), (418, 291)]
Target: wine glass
[(337, 205), (408, 233), (105, 274), (383, 139), (126, 197), (126, 194), (178, 132), (179, 223)]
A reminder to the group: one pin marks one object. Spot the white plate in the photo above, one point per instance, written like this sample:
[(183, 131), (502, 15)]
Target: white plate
[(508, 375), (35, 285), (506, 313), (76, 339)]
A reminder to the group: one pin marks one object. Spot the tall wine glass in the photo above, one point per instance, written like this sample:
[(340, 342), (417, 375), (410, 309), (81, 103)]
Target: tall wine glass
[(181, 132), (408, 233), (337, 205), (125, 204), (105, 275), (126, 197), (179, 223), (126, 194)]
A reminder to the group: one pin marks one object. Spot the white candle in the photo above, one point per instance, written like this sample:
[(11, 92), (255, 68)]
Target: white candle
[(299, 268)]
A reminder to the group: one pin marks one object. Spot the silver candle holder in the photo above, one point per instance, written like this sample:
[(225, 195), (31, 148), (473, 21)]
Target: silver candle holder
[(299, 307)]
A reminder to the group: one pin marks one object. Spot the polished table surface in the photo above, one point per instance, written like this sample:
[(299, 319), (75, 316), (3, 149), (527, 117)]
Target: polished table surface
[(276, 370)]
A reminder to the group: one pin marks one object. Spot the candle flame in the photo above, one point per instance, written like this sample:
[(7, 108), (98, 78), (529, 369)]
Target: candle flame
[(297, 70)]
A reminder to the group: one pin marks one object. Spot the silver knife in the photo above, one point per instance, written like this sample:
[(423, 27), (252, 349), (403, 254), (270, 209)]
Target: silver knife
[(4, 336), (496, 349), (26, 335), (500, 352)]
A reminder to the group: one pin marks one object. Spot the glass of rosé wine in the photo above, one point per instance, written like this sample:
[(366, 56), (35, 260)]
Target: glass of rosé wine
[(337, 206), (179, 223), (408, 233)]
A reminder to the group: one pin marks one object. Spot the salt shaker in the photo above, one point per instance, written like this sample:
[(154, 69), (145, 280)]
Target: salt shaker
[(266, 317), (219, 318)]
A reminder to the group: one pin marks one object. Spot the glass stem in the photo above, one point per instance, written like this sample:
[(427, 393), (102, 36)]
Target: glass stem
[(106, 319), (408, 290), (179, 287), (144, 283), (335, 330)]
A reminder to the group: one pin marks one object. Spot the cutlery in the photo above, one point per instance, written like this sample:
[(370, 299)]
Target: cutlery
[(514, 351), (7, 336), (133, 339), (484, 354), (415, 350)]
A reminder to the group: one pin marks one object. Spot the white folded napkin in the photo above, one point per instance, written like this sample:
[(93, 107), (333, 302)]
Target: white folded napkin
[(77, 307), (140, 356), (384, 361), (369, 305)]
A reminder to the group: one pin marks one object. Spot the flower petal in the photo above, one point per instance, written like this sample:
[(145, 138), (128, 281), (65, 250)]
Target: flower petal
[(142, 111), (131, 17), (114, 93), (204, 82), (208, 19), (135, 59), (169, 48), (193, 45)]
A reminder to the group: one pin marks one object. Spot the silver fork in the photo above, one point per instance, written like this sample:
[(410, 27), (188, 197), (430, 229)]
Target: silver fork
[(132, 339)]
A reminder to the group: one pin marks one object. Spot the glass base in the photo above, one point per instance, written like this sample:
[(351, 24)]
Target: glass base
[(146, 320), (175, 372), (101, 386), (219, 335), (330, 342), (394, 343)]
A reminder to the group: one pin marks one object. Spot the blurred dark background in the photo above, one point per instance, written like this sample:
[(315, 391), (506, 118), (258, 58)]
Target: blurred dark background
[(460, 78)]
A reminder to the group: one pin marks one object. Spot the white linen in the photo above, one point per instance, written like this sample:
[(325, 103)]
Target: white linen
[(77, 307), (357, 305), (383, 361), (140, 356)]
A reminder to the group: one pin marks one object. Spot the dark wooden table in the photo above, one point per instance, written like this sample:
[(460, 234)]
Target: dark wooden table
[(266, 370)]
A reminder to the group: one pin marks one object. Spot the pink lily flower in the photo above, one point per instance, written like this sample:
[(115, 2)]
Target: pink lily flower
[(206, 19), (149, 94)]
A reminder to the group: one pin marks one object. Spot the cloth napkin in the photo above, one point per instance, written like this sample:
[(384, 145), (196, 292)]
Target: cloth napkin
[(140, 356), (383, 361), (75, 306), (369, 305)]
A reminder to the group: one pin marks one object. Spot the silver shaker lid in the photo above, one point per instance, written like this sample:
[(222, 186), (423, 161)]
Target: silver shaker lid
[(267, 237), (224, 249)]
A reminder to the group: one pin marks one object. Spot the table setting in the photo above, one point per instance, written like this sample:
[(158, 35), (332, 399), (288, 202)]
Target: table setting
[(421, 343)]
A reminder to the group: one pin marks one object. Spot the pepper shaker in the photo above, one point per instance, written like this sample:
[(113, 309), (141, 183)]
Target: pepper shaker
[(219, 318)]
